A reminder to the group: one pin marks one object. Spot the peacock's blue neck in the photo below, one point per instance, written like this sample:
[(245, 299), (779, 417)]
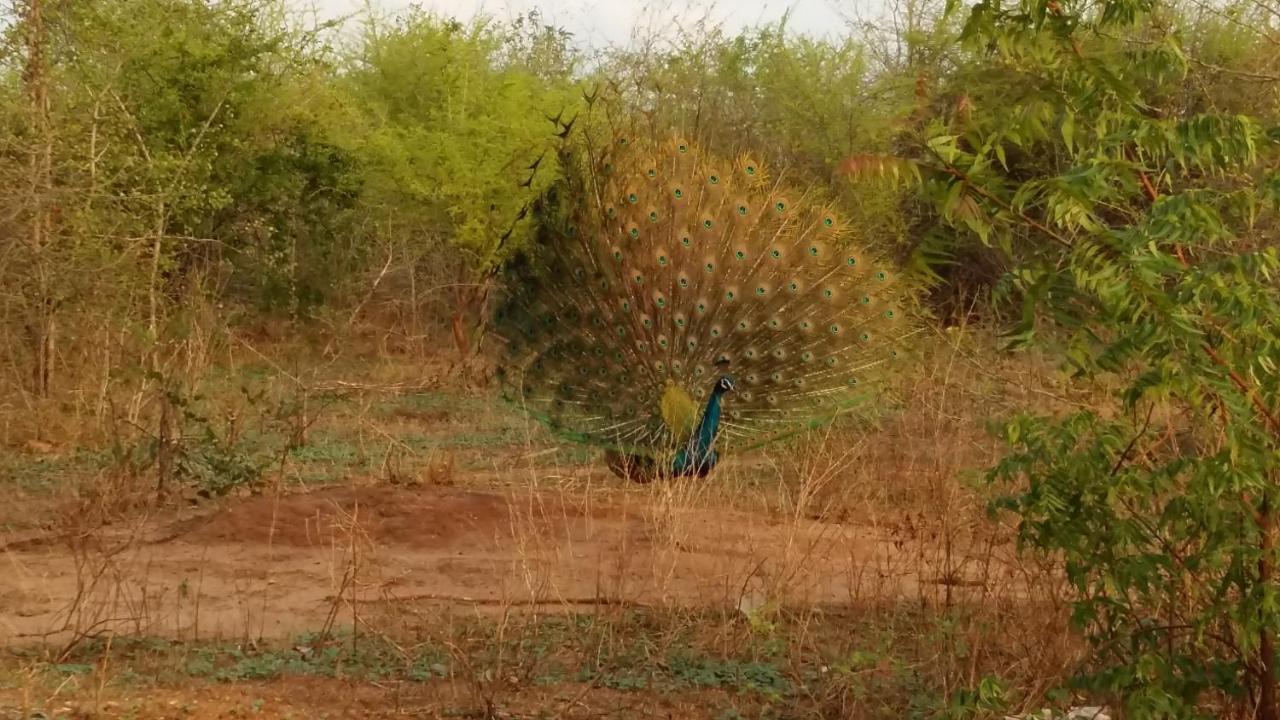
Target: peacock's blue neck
[(710, 423), (698, 456)]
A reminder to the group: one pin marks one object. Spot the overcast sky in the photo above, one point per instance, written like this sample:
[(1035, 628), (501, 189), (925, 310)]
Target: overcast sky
[(597, 22)]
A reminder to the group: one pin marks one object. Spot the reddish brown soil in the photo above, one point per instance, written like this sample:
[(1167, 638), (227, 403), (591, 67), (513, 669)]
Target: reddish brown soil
[(271, 566)]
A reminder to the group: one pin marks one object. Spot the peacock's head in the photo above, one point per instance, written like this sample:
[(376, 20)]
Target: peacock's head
[(725, 383)]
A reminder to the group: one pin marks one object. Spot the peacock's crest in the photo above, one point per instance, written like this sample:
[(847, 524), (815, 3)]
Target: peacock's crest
[(658, 261)]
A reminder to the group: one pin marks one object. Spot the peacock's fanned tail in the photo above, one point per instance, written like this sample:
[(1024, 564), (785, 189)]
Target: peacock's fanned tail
[(657, 262)]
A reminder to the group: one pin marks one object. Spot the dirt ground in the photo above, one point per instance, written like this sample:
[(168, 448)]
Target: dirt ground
[(277, 564)]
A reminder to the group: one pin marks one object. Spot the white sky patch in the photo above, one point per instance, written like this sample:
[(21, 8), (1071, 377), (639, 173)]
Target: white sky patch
[(596, 23)]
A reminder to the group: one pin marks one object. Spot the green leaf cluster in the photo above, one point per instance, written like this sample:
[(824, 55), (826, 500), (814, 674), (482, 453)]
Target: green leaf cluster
[(1135, 212)]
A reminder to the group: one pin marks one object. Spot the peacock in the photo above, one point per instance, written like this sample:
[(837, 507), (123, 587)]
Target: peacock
[(677, 303)]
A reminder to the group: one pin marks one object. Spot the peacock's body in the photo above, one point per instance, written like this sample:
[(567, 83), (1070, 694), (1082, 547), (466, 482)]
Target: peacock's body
[(676, 298)]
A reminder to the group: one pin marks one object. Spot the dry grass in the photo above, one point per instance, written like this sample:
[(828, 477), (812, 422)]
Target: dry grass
[(856, 568)]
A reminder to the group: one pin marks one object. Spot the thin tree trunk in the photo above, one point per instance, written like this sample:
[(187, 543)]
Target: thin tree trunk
[(40, 174), (153, 287), (164, 442), (1267, 709), (152, 359)]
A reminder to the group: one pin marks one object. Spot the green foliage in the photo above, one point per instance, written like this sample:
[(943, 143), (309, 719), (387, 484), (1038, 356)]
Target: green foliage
[(764, 678), (201, 118), (453, 116), (1137, 221), (197, 450), (988, 698), (215, 150), (313, 655), (684, 669), (44, 474)]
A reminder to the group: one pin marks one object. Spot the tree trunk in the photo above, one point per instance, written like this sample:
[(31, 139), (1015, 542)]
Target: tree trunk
[(1267, 709), (40, 174)]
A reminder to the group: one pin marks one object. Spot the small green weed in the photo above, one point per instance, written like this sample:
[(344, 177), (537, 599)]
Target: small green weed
[(687, 669), (47, 473), (311, 655)]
